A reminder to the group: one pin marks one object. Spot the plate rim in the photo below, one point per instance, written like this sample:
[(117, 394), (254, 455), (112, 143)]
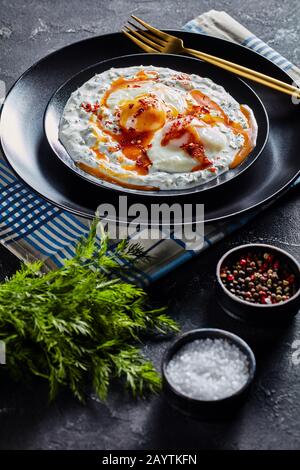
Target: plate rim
[(85, 215), (162, 193), (170, 30)]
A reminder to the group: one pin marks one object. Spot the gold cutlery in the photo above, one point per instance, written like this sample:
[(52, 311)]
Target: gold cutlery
[(152, 40)]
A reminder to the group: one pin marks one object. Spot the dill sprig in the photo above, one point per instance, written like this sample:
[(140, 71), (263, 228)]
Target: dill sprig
[(81, 322)]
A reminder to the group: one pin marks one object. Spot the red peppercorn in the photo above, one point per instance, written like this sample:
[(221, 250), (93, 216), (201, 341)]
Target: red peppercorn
[(291, 278), (259, 278)]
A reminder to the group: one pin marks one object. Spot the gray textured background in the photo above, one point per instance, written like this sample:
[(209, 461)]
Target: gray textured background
[(270, 418)]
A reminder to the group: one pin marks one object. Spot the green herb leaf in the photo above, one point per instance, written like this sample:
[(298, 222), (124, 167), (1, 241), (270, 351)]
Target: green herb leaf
[(81, 322)]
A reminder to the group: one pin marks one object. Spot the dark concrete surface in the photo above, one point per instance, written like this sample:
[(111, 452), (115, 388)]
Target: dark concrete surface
[(270, 419)]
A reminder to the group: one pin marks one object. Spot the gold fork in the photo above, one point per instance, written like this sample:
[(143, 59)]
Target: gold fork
[(153, 40)]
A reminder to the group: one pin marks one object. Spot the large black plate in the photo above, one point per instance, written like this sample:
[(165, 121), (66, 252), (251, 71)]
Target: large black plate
[(30, 155), (236, 87)]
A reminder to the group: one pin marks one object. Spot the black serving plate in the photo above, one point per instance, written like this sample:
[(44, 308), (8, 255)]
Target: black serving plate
[(236, 87), (28, 152), (210, 409)]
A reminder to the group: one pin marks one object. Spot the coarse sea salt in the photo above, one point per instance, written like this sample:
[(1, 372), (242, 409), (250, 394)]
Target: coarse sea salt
[(208, 369)]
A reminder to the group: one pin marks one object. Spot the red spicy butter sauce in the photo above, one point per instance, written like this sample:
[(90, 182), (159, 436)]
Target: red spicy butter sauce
[(134, 142)]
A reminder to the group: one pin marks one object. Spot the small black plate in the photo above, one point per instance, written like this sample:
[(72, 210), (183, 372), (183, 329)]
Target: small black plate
[(236, 87), (27, 150)]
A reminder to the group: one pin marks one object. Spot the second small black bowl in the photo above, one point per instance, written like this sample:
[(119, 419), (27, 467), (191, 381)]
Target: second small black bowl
[(208, 409), (256, 313)]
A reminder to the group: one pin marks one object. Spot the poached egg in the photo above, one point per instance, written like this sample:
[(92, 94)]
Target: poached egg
[(154, 128)]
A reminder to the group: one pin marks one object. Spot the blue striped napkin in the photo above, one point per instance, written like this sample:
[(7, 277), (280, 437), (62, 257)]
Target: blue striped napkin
[(33, 228)]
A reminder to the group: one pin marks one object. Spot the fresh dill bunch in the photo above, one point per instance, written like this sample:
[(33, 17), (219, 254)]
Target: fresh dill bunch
[(81, 323)]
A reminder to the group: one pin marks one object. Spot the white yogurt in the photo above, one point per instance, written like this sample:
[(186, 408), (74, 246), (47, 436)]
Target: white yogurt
[(171, 166)]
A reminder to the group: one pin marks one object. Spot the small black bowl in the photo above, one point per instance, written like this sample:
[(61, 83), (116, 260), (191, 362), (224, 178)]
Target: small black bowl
[(210, 409), (254, 313)]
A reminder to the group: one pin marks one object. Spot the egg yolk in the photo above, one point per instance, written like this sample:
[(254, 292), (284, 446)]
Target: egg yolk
[(144, 113)]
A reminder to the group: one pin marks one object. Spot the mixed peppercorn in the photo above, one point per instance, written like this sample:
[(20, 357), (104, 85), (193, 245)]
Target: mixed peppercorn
[(259, 278)]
